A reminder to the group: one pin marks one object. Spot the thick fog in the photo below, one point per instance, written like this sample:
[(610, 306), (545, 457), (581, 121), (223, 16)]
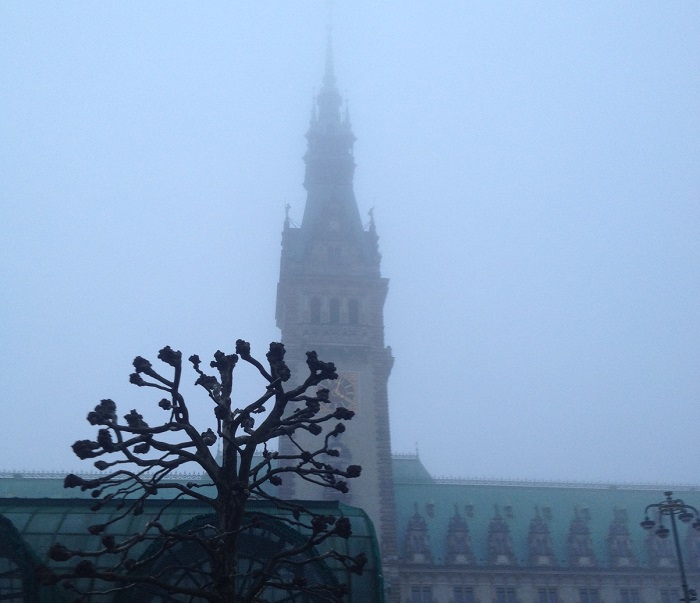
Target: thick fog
[(534, 171)]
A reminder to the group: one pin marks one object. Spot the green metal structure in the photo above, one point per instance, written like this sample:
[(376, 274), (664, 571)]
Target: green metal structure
[(29, 526)]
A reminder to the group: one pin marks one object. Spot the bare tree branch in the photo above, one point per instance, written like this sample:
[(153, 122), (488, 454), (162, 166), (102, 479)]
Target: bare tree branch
[(142, 459)]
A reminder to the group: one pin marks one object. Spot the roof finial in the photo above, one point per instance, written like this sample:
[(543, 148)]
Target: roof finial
[(329, 75), (330, 5)]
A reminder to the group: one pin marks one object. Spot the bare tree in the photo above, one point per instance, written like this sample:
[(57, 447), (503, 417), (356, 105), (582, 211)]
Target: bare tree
[(147, 456)]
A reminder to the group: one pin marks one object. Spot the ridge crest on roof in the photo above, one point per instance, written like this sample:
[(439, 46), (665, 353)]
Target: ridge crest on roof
[(543, 483)]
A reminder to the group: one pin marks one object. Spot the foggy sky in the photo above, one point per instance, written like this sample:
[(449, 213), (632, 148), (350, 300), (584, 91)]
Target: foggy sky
[(533, 169)]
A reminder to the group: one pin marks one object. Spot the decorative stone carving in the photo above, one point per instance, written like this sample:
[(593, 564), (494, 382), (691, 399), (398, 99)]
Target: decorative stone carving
[(459, 544), (417, 542), (500, 544), (539, 542), (620, 542), (579, 542), (660, 550)]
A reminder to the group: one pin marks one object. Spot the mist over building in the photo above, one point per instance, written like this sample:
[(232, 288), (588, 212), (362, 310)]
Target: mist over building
[(442, 540), (451, 541)]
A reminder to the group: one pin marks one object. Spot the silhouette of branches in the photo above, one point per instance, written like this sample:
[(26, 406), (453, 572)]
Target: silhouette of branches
[(137, 462)]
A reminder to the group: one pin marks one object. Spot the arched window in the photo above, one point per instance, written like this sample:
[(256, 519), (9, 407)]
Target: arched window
[(335, 311), (353, 311), (315, 310), (187, 565)]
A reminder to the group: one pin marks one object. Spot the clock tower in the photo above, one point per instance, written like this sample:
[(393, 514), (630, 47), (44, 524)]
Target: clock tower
[(330, 299)]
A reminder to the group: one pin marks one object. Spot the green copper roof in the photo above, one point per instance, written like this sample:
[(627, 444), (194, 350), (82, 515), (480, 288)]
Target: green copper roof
[(478, 501), (38, 507), (38, 523)]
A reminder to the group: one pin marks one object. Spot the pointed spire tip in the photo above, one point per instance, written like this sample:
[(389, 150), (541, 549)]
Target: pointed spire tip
[(329, 74)]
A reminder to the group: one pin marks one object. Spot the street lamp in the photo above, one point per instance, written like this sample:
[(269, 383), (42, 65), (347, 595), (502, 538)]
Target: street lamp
[(674, 508)]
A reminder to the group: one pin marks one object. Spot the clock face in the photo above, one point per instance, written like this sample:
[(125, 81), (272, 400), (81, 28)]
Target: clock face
[(343, 391)]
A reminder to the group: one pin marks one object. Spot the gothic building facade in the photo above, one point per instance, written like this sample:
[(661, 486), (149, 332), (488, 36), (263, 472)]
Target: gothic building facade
[(501, 541), (330, 299), (443, 541)]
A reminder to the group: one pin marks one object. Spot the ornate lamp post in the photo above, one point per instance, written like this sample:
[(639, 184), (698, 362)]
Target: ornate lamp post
[(674, 508)]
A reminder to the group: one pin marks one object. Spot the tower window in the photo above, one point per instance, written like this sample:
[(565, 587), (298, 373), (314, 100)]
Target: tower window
[(463, 594), (335, 311), (547, 595), (315, 310), (353, 312), (588, 595), (421, 594), (505, 594)]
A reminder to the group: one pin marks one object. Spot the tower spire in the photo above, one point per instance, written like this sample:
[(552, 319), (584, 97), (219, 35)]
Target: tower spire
[(329, 99), (330, 166), (329, 72), (330, 298)]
